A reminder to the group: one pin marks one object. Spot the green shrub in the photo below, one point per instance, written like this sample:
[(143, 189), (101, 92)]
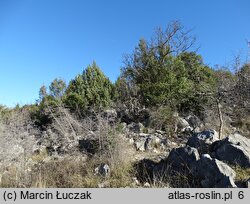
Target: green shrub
[(91, 89), (166, 76)]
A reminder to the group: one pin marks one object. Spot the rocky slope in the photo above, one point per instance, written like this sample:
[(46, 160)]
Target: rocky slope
[(193, 157)]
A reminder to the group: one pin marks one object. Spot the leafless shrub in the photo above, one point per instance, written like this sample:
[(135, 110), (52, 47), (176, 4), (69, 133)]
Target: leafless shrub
[(16, 147)]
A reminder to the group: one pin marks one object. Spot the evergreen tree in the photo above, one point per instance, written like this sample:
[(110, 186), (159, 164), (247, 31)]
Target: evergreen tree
[(166, 73), (42, 93), (91, 89), (57, 88)]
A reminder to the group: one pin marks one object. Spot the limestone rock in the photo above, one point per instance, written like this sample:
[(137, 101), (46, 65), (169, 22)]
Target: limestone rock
[(194, 122), (214, 173), (182, 158), (140, 144), (135, 127), (147, 142), (234, 149), (103, 170), (203, 140), (182, 124)]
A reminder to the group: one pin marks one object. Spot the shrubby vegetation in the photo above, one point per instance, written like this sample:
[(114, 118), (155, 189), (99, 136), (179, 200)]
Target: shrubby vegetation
[(91, 89), (164, 75)]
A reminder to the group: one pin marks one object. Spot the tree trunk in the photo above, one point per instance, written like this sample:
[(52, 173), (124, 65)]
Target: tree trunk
[(220, 118)]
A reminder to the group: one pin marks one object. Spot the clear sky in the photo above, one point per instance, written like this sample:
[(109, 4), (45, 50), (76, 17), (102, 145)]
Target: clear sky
[(46, 39)]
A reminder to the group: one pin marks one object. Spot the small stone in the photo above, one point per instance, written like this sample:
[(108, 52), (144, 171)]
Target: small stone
[(146, 185), (131, 141), (103, 170)]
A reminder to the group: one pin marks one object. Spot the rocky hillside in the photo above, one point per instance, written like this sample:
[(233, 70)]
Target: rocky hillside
[(103, 151)]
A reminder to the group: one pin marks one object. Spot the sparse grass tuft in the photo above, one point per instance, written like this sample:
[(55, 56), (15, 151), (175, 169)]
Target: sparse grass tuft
[(40, 156), (242, 174)]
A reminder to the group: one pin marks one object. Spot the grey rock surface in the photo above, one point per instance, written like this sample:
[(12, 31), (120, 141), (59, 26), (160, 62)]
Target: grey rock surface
[(203, 140), (234, 149), (135, 127), (214, 173), (182, 158), (102, 170), (182, 124)]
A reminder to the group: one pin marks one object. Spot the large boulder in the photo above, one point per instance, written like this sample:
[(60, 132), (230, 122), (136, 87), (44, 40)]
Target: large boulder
[(203, 140), (183, 158), (234, 149), (213, 173), (147, 170)]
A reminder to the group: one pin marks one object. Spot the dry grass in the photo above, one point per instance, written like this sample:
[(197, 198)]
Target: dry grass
[(243, 125), (39, 170), (59, 174), (242, 174), (71, 173)]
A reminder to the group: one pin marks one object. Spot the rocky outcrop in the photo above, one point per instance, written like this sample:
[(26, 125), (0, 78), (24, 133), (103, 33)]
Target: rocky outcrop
[(190, 123), (203, 140), (204, 170), (135, 127), (234, 149), (183, 158), (213, 173), (147, 142)]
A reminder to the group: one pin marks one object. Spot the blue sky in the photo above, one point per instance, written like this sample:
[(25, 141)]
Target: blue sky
[(46, 39)]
